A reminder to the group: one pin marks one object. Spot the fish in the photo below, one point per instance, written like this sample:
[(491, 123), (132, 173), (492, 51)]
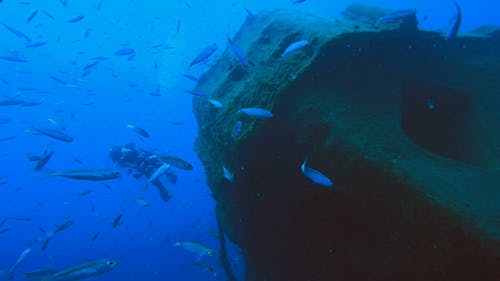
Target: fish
[(4, 230), (35, 44), (298, 1), (4, 121), (7, 138), (178, 26), (25, 89), (32, 15), (85, 192), (83, 271), (99, 5), (205, 54), (22, 218), (64, 226), (143, 202), (12, 58), (39, 273), (117, 220), (190, 77), (237, 52), (49, 235), (64, 3), (88, 174), (294, 47), (124, 52), (227, 174), (90, 65), (139, 130), (196, 248), (20, 259), (100, 58), (16, 32), (236, 129), (160, 171), (76, 19), (315, 176), (175, 162), (215, 103), (94, 237), (457, 21), (250, 15), (196, 93), (59, 80), (53, 133), (34, 158), (31, 103), (396, 16), (257, 112), (43, 160), (11, 101), (48, 15)]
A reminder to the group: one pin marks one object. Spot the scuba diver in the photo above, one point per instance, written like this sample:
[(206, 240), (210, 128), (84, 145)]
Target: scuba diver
[(143, 163)]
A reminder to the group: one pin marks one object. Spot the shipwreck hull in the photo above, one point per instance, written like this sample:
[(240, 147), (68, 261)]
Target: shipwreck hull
[(404, 122)]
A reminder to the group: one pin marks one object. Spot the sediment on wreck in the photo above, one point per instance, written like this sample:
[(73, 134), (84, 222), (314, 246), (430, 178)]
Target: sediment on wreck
[(404, 122)]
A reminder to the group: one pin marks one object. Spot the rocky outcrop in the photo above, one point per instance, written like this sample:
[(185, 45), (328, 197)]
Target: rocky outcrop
[(404, 122)]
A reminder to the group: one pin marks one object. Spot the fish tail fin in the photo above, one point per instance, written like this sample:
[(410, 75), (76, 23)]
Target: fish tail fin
[(304, 165)]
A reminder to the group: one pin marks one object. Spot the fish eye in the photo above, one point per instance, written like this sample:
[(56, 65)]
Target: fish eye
[(110, 262), (211, 253), (116, 173)]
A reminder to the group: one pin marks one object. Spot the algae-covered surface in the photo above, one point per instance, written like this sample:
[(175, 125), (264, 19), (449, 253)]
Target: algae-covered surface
[(403, 121)]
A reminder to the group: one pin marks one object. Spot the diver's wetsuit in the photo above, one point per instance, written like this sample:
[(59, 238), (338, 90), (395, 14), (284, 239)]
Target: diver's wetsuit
[(143, 162)]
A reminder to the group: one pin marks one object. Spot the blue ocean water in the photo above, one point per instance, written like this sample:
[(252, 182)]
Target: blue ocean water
[(146, 89)]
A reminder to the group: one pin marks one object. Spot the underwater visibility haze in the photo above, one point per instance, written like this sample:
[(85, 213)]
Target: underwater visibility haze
[(249, 140)]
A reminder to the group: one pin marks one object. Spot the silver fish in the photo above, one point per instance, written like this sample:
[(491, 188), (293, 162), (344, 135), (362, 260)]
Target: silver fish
[(315, 176), (227, 174), (215, 103), (195, 247), (397, 16), (124, 52), (206, 53), (17, 32), (88, 174), (257, 112), (294, 47), (53, 133), (237, 52), (139, 130), (44, 159), (21, 258), (83, 271), (39, 273), (457, 21), (175, 161)]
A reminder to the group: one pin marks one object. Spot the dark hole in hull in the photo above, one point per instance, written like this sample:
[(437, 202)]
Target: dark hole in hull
[(438, 119)]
